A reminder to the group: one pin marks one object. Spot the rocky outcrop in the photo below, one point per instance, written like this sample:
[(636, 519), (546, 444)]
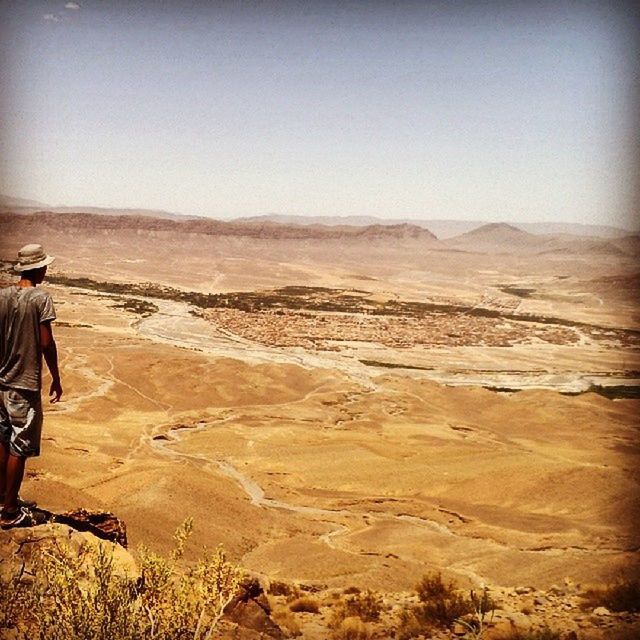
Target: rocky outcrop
[(102, 524), (247, 617), (250, 609), (17, 548)]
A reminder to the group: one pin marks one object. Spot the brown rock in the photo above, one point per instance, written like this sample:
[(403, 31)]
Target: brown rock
[(102, 524), (17, 547), (250, 609)]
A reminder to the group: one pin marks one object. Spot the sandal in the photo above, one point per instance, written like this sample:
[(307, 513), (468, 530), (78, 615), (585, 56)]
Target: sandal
[(20, 518)]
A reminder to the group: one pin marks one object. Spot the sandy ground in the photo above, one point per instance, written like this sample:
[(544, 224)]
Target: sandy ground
[(307, 473), (313, 466)]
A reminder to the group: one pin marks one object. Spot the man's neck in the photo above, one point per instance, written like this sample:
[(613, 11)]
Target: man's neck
[(25, 282)]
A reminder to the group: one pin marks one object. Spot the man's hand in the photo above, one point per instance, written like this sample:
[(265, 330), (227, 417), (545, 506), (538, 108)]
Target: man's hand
[(56, 391)]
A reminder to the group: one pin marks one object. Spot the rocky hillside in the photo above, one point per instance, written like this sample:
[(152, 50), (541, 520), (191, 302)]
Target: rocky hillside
[(43, 221), (73, 577), (73, 574)]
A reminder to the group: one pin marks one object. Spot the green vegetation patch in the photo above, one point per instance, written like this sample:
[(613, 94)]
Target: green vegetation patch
[(323, 299), (143, 308)]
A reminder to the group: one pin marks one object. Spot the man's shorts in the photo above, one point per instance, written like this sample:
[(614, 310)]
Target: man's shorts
[(21, 421)]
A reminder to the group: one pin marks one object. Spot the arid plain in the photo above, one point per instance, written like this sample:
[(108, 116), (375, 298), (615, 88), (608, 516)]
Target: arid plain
[(348, 407)]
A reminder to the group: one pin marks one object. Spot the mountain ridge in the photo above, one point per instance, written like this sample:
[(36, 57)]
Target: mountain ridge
[(207, 226), (441, 228)]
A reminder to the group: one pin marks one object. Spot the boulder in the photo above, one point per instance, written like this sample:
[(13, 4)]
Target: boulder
[(17, 547), (250, 609)]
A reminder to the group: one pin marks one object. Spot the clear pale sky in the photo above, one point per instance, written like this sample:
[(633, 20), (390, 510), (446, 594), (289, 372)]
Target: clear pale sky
[(478, 111)]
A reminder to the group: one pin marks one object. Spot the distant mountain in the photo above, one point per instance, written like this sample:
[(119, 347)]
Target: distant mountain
[(20, 205), (559, 244), (100, 211), (443, 228), (496, 230), (505, 238), (331, 221), (496, 237), (572, 228), (397, 231), (629, 244), (206, 226), (10, 201), (440, 228)]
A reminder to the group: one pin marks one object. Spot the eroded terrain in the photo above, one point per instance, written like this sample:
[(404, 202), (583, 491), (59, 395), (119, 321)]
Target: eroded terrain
[(349, 419)]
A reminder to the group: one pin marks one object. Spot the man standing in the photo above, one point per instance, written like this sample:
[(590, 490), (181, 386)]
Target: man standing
[(26, 313)]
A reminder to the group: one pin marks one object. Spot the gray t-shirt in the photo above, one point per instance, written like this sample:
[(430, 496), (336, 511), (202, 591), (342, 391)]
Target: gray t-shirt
[(22, 310)]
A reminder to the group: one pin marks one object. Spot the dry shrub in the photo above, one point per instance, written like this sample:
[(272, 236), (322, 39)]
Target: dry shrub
[(352, 628), (286, 621), (622, 595), (441, 602), (85, 596), (278, 588), (441, 605), (304, 605), (366, 606)]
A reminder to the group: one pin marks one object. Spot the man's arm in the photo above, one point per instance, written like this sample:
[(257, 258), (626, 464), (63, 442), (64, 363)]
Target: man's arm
[(50, 353)]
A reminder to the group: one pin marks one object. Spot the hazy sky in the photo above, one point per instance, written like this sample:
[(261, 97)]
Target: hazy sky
[(481, 110)]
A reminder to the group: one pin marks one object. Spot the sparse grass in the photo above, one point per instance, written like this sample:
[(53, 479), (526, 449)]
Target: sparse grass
[(304, 604), (622, 595), (85, 595)]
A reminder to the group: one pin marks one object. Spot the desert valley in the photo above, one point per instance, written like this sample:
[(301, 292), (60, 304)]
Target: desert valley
[(351, 406)]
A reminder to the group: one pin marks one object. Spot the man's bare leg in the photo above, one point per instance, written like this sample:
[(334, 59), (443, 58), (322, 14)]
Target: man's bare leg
[(4, 459), (14, 473)]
